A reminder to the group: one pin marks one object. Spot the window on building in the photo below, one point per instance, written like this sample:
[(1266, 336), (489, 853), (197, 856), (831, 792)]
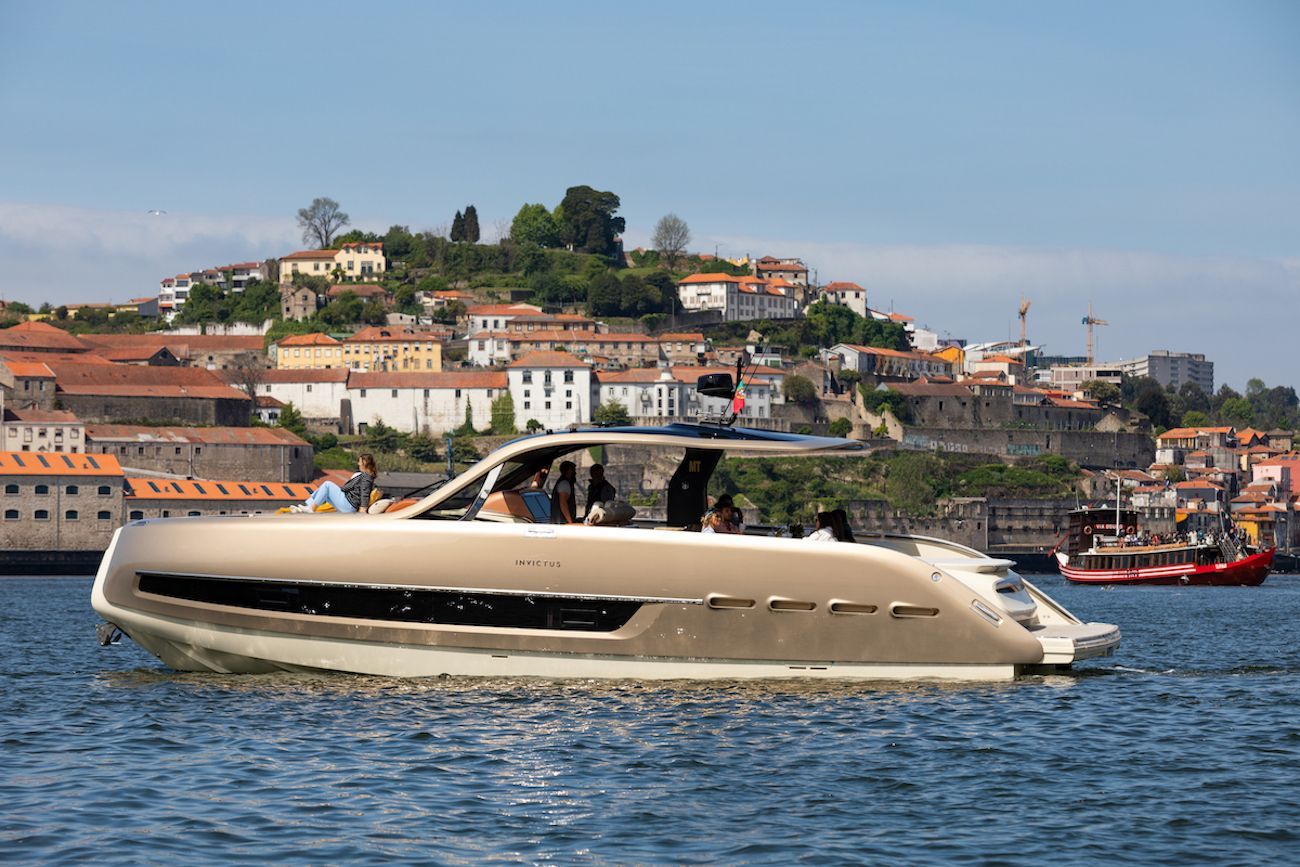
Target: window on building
[(136, 515), (104, 515), (363, 392), (528, 404), (11, 514), (568, 375), (528, 376), (458, 392), (42, 515), (309, 388), (70, 515), (42, 489), (72, 490), (568, 404), (394, 394), (548, 404), (193, 514), (11, 490)]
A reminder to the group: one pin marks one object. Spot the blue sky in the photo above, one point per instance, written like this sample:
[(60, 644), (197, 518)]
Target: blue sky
[(948, 156)]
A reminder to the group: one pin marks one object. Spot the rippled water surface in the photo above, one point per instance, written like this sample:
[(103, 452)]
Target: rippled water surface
[(1183, 748)]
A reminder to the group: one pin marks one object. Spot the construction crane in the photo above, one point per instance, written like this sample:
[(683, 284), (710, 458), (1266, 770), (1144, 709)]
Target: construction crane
[(1090, 321), (1024, 309)]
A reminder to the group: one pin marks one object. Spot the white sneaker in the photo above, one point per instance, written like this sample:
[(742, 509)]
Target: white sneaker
[(299, 507)]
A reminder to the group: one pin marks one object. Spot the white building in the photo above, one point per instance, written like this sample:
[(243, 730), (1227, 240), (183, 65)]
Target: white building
[(668, 393), (846, 294), (42, 430), (738, 298), (555, 388), (427, 402), (316, 394), (1072, 378)]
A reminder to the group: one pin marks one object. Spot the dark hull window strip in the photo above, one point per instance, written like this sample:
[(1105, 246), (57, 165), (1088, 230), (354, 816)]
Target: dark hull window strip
[(444, 607)]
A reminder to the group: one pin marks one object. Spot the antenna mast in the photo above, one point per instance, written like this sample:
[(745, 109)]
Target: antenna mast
[(1024, 331)]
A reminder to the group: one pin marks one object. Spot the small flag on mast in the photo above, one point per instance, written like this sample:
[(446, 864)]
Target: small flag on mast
[(738, 401)]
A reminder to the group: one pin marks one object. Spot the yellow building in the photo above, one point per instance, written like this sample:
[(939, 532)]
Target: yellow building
[(309, 352), (954, 355), (393, 349), (357, 261)]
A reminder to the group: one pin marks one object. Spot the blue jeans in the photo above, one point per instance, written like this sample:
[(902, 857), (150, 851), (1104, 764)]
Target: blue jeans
[(330, 493)]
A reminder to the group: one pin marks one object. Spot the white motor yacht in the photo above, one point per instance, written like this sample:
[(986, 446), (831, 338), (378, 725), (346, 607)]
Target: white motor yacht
[(472, 578)]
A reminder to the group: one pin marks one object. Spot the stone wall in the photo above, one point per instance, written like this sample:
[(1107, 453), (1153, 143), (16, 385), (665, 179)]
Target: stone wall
[(230, 412), (1086, 448), (50, 513), (236, 461)]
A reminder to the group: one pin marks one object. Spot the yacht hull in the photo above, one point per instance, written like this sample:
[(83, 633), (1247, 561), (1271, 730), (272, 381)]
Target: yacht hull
[(415, 598)]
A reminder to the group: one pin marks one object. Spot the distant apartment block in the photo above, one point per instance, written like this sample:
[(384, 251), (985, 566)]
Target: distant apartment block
[(1072, 378), (42, 430), (872, 360), (1172, 369), (348, 262)]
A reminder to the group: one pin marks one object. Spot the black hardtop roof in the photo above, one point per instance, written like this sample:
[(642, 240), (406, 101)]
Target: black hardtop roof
[(706, 432)]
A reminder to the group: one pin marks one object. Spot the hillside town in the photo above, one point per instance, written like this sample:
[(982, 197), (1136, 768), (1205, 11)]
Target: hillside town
[(182, 414)]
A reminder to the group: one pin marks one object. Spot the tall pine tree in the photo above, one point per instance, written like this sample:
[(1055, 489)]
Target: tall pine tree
[(471, 224), (458, 227)]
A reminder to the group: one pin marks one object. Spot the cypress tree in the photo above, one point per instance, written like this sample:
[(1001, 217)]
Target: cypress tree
[(471, 224), (458, 227)]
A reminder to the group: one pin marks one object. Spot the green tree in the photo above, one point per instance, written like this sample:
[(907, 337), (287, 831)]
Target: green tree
[(471, 224), (458, 227), (534, 224), (406, 302), (1195, 418), (612, 413), (800, 390), (533, 425), (1103, 392), (587, 222), (320, 222), (466, 428), (503, 415), (1237, 411), (374, 313), (841, 427), (291, 420), (398, 243), (422, 447), (345, 309), (382, 438)]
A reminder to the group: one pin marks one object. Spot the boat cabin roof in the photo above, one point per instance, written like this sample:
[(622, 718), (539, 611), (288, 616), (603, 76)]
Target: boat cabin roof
[(514, 463)]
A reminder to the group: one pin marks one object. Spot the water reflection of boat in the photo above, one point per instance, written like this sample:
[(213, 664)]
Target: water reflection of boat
[(472, 579), (1106, 546)]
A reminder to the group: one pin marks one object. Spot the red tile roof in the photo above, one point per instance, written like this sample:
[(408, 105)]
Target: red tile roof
[(39, 336), (316, 338), (29, 370), (708, 278), (548, 359), (503, 310), (206, 489), (378, 245), (683, 336), (430, 379), (777, 266), (576, 334), (185, 342), (393, 334), (361, 290), (38, 416), (133, 381), (310, 254), (57, 464), (842, 286), (246, 436)]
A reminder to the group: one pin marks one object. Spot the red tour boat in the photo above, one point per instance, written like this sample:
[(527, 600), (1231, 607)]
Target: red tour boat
[(1102, 547)]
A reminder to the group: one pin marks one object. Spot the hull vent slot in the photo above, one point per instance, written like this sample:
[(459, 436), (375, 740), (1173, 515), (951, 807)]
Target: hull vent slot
[(838, 607), (729, 602), (778, 604), (900, 610)]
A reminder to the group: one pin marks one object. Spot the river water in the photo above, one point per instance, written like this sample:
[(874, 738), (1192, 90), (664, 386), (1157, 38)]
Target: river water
[(1184, 748)]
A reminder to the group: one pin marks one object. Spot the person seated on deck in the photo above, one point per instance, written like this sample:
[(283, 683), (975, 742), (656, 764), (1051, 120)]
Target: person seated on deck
[(721, 518), (564, 495), (840, 524), (352, 497), (598, 489), (538, 482), (824, 531)]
